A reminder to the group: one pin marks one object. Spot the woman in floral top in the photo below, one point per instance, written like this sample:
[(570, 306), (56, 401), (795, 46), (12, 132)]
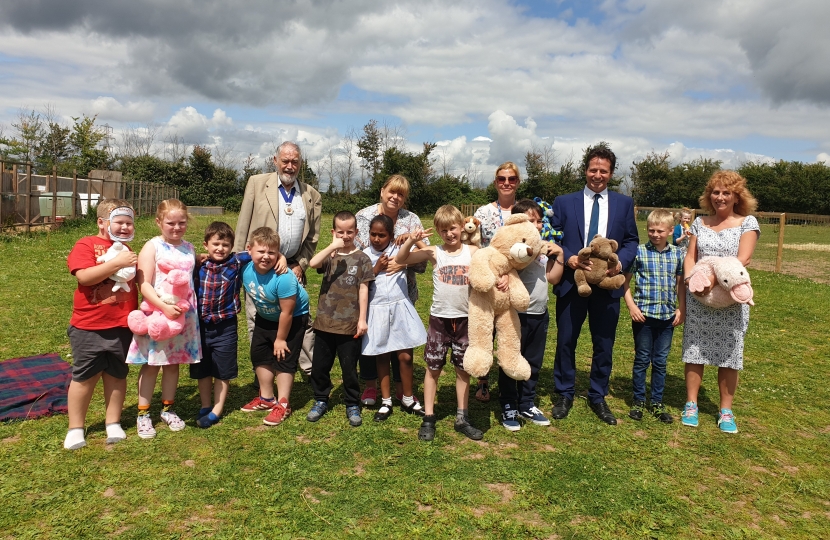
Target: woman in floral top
[(492, 216)]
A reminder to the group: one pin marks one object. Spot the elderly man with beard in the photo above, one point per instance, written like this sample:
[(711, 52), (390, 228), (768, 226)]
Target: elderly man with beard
[(290, 207)]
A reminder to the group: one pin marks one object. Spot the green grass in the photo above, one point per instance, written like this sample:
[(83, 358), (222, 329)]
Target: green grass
[(575, 479)]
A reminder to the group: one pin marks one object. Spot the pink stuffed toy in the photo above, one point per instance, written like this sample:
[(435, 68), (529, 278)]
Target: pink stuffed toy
[(732, 284), (174, 290)]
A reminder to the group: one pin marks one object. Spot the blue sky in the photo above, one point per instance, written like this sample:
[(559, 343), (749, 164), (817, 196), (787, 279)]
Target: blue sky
[(730, 80)]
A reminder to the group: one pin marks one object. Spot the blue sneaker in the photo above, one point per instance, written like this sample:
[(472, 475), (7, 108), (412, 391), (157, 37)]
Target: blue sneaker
[(535, 415), (510, 418), (353, 414), (317, 411), (726, 421), (689, 416)]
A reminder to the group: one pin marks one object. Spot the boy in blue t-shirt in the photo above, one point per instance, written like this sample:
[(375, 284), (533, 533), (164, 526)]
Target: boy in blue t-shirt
[(657, 305), (282, 315), (217, 291)]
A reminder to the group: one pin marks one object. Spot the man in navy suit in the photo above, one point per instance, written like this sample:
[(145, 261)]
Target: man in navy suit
[(580, 215)]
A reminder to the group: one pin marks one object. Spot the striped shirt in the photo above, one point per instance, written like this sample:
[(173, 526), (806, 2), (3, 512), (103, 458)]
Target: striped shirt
[(654, 283), (217, 289)]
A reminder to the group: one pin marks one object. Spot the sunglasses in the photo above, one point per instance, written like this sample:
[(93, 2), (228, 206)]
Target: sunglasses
[(507, 180)]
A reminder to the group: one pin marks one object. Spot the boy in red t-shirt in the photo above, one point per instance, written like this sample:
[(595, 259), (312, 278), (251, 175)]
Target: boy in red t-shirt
[(98, 331)]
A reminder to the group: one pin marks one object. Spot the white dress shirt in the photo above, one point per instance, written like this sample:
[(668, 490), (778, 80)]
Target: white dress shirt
[(291, 226), (588, 203)]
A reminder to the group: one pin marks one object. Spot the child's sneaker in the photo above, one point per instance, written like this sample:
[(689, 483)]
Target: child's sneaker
[(172, 420), (317, 411), (207, 420), (280, 412), (510, 419), (690, 414), (535, 415), (258, 404), (74, 439), (353, 414), (369, 397), (726, 421), (145, 427), (637, 408), (658, 411)]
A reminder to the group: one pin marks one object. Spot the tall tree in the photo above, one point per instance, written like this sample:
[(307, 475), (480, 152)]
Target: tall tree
[(369, 147), (84, 143)]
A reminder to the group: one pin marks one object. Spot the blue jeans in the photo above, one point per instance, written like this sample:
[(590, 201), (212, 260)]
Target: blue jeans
[(652, 343)]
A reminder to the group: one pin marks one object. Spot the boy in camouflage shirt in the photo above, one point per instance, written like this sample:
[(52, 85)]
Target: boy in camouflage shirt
[(341, 317)]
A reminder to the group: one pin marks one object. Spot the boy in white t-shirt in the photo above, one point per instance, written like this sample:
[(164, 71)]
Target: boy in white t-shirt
[(447, 316)]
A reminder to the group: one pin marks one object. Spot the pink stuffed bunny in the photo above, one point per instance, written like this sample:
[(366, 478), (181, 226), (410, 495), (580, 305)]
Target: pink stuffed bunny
[(732, 284), (174, 290)]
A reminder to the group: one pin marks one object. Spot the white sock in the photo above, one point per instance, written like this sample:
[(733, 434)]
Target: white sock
[(115, 433), (74, 439), (409, 401)]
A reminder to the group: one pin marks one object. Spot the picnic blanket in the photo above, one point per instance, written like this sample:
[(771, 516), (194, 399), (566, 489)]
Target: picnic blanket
[(33, 387)]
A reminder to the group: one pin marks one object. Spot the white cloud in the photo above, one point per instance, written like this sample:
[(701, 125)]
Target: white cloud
[(109, 108)]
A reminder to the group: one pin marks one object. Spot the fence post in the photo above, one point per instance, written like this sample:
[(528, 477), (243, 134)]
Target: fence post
[(779, 257), (88, 195), (28, 197), (75, 198), (54, 195)]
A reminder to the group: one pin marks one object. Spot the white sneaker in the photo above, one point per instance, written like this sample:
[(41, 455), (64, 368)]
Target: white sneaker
[(145, 427), (172, 420)]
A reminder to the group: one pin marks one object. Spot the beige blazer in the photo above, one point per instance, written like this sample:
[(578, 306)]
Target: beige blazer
[(261, 208)]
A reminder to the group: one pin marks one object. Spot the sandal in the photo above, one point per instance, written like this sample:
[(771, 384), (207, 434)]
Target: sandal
[(483, 391), (427, 431)]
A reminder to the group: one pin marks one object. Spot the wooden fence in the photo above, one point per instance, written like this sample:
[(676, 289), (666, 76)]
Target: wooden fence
[(30, 200), (798, 242)]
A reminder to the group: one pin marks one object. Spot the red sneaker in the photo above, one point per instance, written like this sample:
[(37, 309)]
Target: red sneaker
[(258, 404), (280, 412), (370, 395)]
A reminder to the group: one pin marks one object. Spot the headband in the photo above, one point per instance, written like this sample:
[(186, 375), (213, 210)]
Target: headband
[(121, 211)]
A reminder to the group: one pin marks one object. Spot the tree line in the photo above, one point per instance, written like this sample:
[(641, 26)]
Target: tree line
[(355, 170)]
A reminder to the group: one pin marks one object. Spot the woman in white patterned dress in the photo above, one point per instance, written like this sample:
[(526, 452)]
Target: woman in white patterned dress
[(492, 217), (715, 337)]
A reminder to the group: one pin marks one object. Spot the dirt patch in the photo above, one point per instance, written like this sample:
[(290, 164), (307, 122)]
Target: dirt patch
[(778, 520), (502, 489), (758, 468), (189, 463), (404, 430), (109, 492), (508, 445), (311, 494), (640, 434), (790, 469), (303, 439), (422, 507), (260, 427), (475, 456), (12, 439)]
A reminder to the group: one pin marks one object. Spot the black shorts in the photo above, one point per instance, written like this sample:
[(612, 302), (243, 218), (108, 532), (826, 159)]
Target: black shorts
[(442, 335), (262, 344), (94, 351), (219, 344)]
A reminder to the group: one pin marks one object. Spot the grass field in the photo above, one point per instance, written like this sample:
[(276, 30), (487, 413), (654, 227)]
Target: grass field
[(576, 479)]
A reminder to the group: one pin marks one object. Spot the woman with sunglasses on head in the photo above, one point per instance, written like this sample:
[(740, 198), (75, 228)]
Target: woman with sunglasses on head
[(492, 216)]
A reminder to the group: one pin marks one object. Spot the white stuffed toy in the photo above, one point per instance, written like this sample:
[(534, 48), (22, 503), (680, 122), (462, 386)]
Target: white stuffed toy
[(124, 275), (731, 286)]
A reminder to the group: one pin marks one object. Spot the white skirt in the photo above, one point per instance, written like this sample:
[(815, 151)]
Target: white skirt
[(392, 327)]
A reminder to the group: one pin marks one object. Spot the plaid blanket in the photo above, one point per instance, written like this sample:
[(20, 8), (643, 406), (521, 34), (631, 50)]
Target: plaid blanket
[(33, 387)]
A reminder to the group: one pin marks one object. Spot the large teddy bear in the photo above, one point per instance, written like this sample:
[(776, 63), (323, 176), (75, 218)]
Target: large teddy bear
[(513, 247), (122, 276), (602, 252), (732, 284), (174, 290)]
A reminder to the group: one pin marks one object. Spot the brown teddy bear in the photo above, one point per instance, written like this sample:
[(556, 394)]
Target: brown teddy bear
[(471, 233), (602, 253), (513, 247)]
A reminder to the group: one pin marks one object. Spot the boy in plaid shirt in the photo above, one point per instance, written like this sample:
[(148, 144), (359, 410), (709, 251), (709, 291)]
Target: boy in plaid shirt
[(217, 291), (657, 305)]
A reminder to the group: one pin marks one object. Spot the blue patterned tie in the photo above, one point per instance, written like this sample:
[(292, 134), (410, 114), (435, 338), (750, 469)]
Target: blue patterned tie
[(593, 226)]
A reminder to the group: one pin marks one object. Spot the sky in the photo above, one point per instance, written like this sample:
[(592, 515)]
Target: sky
[(487, 80)]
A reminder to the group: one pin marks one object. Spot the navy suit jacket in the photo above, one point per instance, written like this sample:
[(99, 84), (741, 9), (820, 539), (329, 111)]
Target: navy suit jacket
[(569, 218)]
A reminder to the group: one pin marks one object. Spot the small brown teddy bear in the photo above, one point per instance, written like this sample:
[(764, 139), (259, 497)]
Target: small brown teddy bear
[(471, 233), (513, 247), (602, 253)]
